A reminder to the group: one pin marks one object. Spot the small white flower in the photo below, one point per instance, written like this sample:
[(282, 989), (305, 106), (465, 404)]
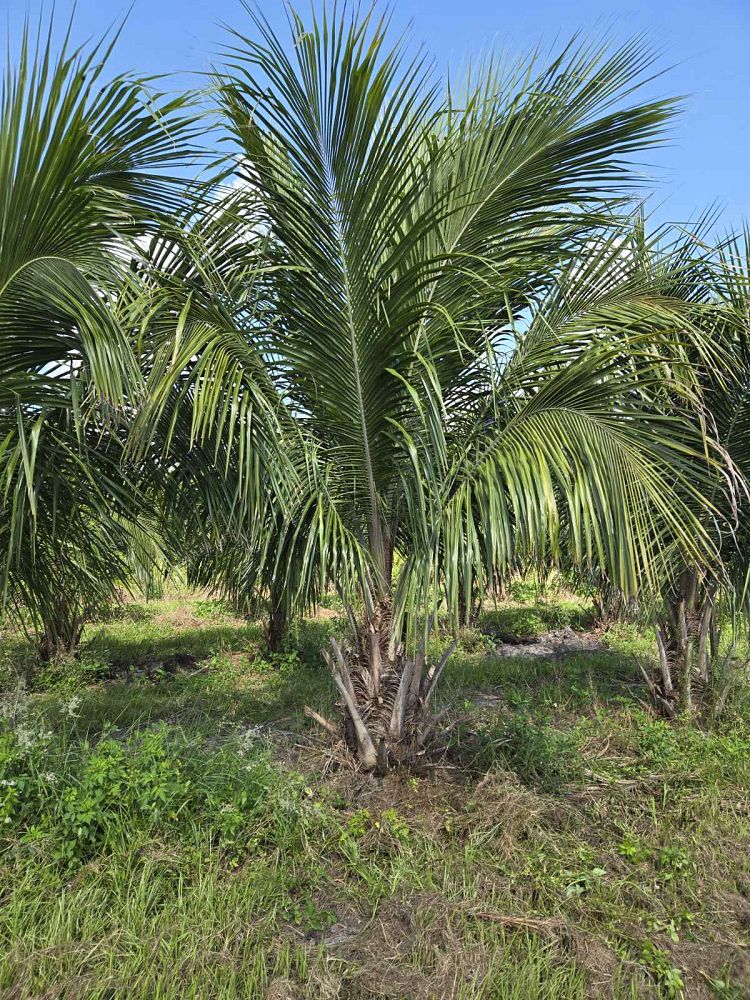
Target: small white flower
[(71, 706), (288, 804), (28, 738), (251, 735), (14, 705)]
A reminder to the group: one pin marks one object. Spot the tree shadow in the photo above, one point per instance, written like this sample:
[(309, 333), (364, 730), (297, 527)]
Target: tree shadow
[(198, 643), (130, 612)]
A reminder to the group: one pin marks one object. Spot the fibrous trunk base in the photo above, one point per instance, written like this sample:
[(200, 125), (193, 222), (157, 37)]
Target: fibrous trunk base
[(687, 641), (276, 628), (384, 696)]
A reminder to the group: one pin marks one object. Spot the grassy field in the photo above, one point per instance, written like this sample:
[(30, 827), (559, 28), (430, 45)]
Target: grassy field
[(173, 826)]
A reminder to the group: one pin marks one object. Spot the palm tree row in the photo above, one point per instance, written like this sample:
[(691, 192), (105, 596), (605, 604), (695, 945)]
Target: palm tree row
[(420, 340)]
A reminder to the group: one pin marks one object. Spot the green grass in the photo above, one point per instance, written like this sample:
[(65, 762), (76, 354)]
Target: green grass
[(184, 833)]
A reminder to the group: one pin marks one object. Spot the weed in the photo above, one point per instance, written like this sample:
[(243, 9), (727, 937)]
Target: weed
[(542, 756), (70, 673), (213, 609), (667, 975), (632, 849)]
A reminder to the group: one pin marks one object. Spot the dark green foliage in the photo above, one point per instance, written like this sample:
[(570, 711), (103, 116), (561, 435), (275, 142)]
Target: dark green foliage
[(542, 756), (75, 799)]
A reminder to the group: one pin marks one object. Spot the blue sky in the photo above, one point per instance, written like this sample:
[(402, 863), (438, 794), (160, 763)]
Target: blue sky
[(706, 42)]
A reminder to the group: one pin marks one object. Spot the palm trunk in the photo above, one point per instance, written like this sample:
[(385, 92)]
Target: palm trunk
[(468, 609), (687, 640), (383, 697), (610, 606), (277, 626), (384, 693), (60, 634)]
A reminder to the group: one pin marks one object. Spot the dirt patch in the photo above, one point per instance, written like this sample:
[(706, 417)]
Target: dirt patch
[(152, 668), (704, 962), (449, 802), (283, 988), (724, 952), (426, 957), (735, 906), (551, 645), (426, 946), (326, 615), (324, 984)]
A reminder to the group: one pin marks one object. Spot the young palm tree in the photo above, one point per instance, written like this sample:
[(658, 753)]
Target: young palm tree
[(399, 374), (717, 284), (707, 289), (82, 161)]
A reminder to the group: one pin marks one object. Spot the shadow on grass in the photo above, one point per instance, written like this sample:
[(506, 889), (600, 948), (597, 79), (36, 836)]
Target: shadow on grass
[(220, 694), (146, 669), (571, 681), (311, 636), (132, 612), (238, 688), (232, 680), (157, 643)]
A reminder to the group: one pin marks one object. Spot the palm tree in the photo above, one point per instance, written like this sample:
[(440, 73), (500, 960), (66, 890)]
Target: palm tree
[(82, 176), (387, 354), (717, 284), (707, 289)]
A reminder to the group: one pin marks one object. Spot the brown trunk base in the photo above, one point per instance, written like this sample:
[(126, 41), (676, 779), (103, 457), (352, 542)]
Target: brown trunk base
[(687, 642), (383, 697), (53, 646), (276, 629)]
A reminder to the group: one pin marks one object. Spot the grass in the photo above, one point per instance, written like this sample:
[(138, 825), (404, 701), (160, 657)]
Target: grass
[(174, 828)]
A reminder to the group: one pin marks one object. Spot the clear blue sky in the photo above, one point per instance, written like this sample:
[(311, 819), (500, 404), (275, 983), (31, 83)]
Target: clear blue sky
[(707, 42)]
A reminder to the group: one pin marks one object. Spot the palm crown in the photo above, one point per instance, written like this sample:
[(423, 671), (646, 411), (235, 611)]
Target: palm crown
[(413, 252)]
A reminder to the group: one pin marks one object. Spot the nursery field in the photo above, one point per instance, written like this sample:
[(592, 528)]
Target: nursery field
[(173, 826), (356, 338)]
